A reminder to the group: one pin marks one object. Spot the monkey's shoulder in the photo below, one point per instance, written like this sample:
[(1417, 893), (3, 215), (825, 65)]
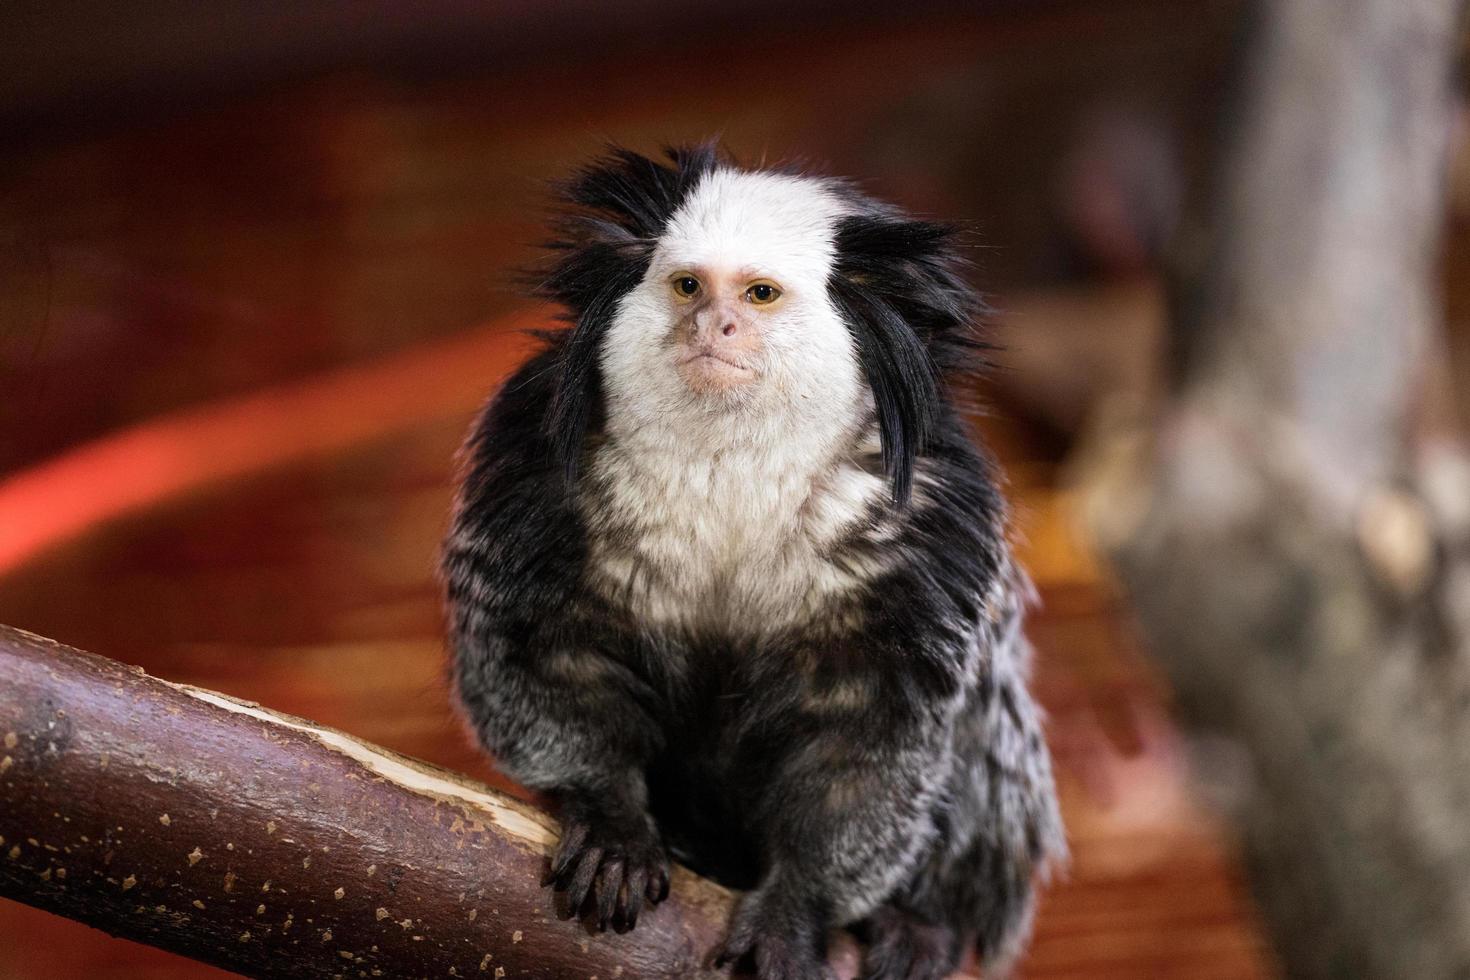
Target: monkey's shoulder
[(511, 429), (515, 536)]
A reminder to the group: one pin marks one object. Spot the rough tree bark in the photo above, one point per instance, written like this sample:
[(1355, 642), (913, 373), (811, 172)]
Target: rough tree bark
[(1295, 538), (268, 845)]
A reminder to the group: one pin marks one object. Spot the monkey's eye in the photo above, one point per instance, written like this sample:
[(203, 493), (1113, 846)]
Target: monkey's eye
[(762, 293), (685, 286)]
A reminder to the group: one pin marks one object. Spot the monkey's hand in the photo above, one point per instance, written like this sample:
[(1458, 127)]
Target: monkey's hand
[(609, 859), (782, 931)]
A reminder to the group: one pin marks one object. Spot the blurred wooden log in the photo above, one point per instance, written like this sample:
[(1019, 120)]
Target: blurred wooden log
[(267, 845), (1296, 540)]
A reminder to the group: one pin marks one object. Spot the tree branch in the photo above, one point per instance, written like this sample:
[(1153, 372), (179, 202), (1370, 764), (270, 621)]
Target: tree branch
[(265, 844)]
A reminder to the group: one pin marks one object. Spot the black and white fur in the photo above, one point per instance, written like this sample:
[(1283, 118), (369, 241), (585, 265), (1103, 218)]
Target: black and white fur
[(773, 632)]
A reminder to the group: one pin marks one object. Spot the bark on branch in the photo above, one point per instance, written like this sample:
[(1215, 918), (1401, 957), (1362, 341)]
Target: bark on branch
[(268, 845), (1297, 550)]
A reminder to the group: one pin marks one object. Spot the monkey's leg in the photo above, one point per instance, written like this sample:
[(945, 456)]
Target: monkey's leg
[(575, 725), (999, 824), (845, 818), (990, 889)]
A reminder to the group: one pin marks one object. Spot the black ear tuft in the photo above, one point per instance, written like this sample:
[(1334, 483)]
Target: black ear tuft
[(896, 282), (612, 213), (900, 374)]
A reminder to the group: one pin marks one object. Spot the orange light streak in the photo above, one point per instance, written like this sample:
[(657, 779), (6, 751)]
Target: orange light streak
[(165, 458)]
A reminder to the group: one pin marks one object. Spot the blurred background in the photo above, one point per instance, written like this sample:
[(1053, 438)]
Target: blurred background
[(256, 274)]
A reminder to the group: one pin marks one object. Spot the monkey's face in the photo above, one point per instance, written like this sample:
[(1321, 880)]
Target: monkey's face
[(733, 315), (719, 322)]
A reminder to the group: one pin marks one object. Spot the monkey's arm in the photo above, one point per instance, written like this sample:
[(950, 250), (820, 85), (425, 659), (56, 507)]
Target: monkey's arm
[(533, 664), (569, 721)]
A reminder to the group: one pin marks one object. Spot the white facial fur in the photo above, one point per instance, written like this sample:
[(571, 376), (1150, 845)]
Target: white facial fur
[(740, 225), (730, 498)]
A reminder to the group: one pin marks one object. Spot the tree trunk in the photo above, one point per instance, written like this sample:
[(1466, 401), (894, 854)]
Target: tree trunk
[(268, 845), (1296, 542)]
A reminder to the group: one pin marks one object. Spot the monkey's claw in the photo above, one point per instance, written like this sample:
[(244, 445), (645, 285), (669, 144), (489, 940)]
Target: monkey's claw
[(778, 937), (608, 867)]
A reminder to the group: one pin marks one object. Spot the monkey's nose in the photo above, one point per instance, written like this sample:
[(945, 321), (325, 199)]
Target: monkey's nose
[(728, 330)]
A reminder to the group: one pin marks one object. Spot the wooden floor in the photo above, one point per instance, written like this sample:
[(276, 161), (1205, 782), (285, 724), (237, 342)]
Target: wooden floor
[(253, 338)]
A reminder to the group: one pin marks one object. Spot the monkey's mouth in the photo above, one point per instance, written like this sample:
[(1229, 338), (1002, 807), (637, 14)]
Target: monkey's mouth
[(707, 370), (709, 355)]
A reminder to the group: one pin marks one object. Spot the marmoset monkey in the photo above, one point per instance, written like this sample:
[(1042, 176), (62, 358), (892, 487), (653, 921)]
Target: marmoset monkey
[(729, 581)]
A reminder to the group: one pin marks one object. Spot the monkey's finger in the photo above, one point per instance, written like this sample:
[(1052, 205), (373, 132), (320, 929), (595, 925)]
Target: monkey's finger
[(658, 885), (581, 883), (630, 902), (573, 836), (607, 891)]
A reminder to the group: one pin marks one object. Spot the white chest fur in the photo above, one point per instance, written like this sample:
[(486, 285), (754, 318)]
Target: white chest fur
[(737, 543)]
